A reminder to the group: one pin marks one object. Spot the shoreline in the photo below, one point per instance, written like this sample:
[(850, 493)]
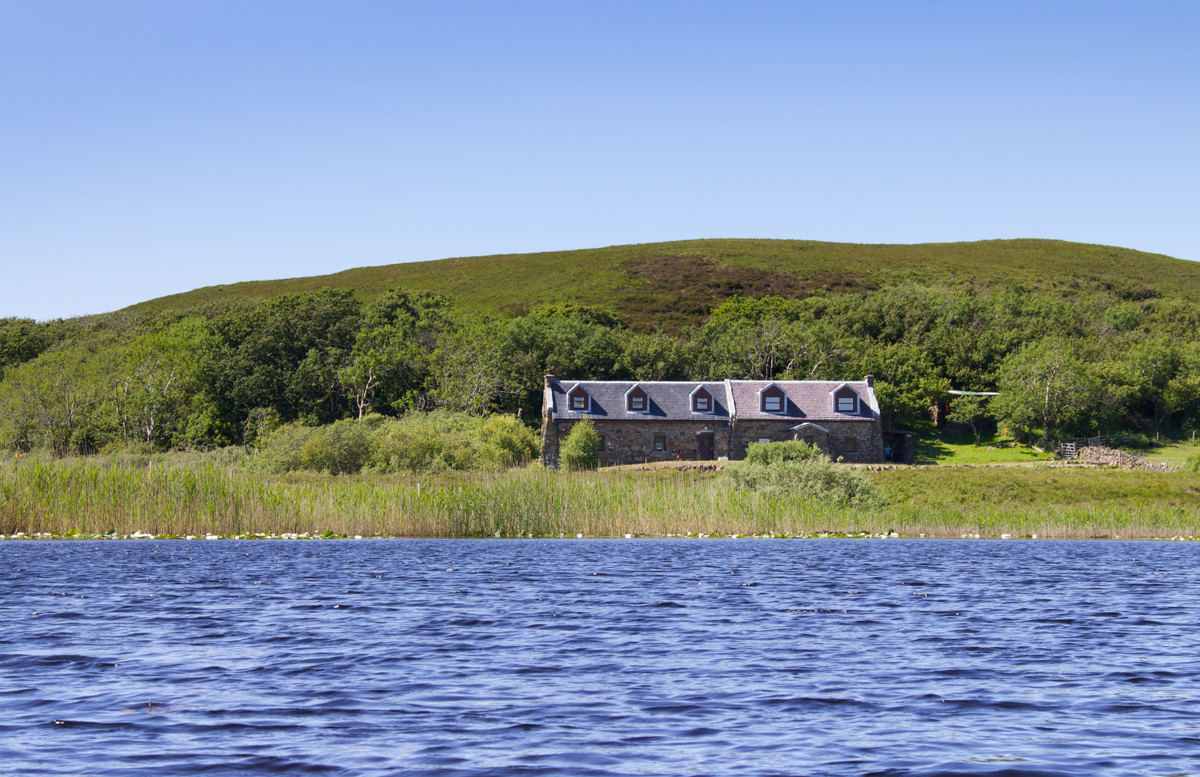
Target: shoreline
[(51, 537)]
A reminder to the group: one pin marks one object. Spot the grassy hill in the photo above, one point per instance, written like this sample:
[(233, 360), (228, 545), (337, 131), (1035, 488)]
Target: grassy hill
[(676, 283)]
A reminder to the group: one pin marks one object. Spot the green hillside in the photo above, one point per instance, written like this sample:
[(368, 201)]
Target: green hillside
[(674, 284)]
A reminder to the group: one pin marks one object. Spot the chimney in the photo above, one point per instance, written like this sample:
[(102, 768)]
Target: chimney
[(870, 379), (549, 378)]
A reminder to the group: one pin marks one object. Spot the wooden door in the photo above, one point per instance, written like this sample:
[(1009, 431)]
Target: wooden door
[(705, 445)]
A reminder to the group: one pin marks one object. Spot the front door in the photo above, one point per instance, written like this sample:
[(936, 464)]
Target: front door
[(705, 446)]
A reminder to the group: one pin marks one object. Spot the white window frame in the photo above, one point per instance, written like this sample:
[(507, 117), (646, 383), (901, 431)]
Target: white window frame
[(762, 399), (587, 405), (629, 408), (837, 401), (712, 401)]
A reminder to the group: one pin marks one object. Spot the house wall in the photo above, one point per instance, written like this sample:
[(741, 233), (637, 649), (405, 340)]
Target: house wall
[(819, 439), (632, 442), (550, 438), (868, 435)]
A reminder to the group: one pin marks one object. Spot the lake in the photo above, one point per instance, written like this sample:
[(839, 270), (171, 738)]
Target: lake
[(600, 657)]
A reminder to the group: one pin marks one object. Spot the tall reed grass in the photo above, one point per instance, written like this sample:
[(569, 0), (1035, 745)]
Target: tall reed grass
[(205, 498)]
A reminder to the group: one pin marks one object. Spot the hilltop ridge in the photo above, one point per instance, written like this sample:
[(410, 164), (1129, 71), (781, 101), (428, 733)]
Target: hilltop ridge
[(676, 283)]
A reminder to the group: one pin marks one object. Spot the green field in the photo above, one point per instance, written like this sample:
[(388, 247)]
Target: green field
[(947, 447), (1167, 451), (675, 284)]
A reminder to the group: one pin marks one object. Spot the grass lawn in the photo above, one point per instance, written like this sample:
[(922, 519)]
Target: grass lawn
[(1173, 452), (950, 448)]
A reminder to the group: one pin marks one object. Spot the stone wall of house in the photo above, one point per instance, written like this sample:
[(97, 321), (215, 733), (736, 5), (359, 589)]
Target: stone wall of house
[(868, 438), (550, 438), (632, 442)]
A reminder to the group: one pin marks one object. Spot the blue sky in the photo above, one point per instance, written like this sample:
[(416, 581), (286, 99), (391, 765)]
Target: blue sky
[(148, 148)]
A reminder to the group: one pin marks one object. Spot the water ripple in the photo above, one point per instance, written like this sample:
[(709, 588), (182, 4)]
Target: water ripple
[(824, 657)]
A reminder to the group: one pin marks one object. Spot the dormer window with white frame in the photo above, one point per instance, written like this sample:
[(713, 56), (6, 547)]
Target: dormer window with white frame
[(845, 400), (772, 399), (579, 400), (702, 400), (637, 400)]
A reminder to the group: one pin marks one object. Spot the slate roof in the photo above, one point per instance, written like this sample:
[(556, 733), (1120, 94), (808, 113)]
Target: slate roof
[(807, 400), (669, 400)]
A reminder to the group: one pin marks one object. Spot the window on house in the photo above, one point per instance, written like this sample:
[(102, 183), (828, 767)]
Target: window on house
[(772, 404), (579, 402), (850, 444), (845, 404), (637, 400), (660, 443), (701, 403), (602, 445)]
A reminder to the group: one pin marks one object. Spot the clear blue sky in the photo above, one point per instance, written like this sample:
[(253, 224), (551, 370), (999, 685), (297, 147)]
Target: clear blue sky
[(152, 147)]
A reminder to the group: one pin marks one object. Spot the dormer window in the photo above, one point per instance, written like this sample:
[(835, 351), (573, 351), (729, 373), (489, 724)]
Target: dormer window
[(702, 400), (773, 399), (578, 400), (637, 400), (845, 400)]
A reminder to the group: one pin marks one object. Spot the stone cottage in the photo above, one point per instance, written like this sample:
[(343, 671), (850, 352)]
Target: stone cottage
[(703, 420)]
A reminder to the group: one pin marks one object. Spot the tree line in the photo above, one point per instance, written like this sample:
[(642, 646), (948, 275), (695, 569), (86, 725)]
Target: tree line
[(228, 374)]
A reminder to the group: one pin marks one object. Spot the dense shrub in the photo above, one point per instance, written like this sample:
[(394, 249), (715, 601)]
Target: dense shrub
[(506, 442), (581, 449), (280, 451), (417, 442), (779, 452), (427, 442), (1193, 463), (797, 471), (340, 448)]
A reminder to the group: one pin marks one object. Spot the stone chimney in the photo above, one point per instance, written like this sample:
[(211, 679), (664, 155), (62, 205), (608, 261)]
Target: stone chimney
[(549, 378), (870, 379)]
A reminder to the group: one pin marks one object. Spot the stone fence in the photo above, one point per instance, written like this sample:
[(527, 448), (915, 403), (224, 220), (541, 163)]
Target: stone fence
[(1112, 457)]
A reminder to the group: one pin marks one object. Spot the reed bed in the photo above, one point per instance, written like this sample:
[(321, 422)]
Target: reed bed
[(161, 498)]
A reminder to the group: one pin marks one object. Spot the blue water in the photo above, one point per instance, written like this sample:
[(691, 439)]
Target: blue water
[(595, 657)]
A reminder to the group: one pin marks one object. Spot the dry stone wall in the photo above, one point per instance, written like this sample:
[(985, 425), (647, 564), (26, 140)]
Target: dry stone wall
[(1112, 457)]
